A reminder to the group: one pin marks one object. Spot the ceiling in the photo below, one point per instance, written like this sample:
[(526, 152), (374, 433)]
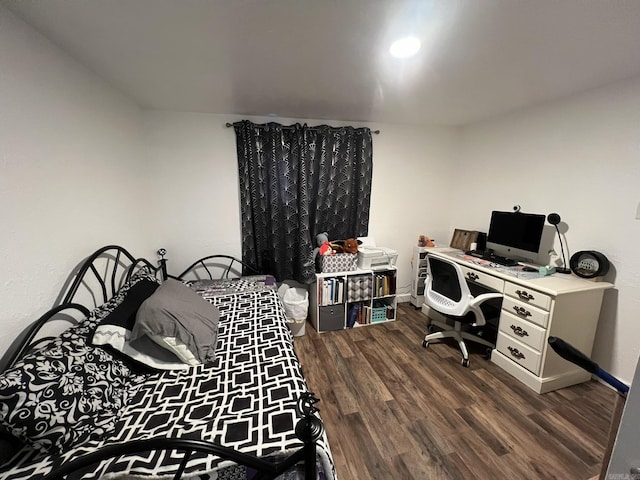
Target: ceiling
[(329, 60)]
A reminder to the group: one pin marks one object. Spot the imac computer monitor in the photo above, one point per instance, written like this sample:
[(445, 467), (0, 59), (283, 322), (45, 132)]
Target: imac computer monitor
[(515, 235)]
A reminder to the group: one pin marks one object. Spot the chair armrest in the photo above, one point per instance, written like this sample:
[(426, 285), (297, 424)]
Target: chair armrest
[(484, 297), (474, 305)]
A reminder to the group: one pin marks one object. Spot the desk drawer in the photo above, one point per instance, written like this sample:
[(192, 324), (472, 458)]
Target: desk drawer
[(530, 297), (529, 334), (525, 311), (481, 278), (518, 352)]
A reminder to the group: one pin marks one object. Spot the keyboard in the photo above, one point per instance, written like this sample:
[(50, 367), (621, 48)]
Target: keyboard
[(490, 257)]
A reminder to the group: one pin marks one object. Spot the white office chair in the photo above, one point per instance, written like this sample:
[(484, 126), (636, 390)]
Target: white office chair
[(447, 292)]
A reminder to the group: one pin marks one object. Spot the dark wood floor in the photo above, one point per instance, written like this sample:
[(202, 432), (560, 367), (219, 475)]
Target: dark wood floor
[(395, 410)]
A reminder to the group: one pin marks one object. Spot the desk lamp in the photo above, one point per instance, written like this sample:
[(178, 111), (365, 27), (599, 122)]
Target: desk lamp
[(554, 219)]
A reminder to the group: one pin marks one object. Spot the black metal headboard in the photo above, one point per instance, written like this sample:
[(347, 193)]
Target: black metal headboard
[(216, 267), (108, 268), (94, 282)]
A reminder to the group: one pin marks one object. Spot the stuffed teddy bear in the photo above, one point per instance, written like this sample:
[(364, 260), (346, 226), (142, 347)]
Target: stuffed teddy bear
[(424, 241), (428, 242), (322, 241), (350, 245)]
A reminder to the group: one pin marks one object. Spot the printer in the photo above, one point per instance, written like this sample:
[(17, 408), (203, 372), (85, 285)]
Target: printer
[(372, 258)]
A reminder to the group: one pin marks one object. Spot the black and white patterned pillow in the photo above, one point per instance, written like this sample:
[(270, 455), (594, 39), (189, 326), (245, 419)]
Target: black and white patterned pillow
[(68, 391)]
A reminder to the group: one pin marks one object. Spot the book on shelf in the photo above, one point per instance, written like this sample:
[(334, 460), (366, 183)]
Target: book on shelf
[(366, 314), (384, 284), (353, 315), (330, 291)]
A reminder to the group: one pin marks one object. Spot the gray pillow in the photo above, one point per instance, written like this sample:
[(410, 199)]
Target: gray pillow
[(114, 332), (179, 320)]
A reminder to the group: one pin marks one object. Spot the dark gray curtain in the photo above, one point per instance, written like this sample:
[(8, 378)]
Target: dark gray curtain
[(295, 182)]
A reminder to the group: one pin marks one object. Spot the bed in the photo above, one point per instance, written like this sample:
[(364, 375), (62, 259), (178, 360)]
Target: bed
[(245, 413)]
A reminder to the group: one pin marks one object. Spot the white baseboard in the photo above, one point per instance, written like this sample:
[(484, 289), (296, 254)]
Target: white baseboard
[(403, 297)]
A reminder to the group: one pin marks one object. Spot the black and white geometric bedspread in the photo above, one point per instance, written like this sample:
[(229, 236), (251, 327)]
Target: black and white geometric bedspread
[(245, 400)]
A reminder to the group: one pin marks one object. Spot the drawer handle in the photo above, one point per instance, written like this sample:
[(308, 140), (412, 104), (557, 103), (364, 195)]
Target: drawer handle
[(516, 353), (519, 331), (524, 295), (523, 312), (472, 276)]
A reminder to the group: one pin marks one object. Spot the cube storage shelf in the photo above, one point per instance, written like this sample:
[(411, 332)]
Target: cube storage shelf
[(345, 299)]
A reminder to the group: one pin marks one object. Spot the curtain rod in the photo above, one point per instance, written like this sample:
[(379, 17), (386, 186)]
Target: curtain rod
[(228, 125)]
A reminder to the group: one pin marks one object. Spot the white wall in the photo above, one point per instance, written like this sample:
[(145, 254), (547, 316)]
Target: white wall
[(194, 162), (578, 157), (69, 171)]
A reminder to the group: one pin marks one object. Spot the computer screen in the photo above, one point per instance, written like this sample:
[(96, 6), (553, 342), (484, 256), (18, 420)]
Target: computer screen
[(515, 234)]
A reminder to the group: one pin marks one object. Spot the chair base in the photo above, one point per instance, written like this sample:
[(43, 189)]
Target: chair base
[(459, 335)]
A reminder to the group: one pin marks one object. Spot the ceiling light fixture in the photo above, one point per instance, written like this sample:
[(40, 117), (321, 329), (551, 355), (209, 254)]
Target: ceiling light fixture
[(405, 47)]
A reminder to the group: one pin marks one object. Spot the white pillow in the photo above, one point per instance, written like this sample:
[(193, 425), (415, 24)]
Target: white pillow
[(178, 348)]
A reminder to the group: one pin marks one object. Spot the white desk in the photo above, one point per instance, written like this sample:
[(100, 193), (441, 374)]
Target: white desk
[(533, 309)]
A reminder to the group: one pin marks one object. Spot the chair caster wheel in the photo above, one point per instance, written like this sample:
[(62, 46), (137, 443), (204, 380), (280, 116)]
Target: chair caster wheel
[(425, 344), (465, 362), (431, 328)]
